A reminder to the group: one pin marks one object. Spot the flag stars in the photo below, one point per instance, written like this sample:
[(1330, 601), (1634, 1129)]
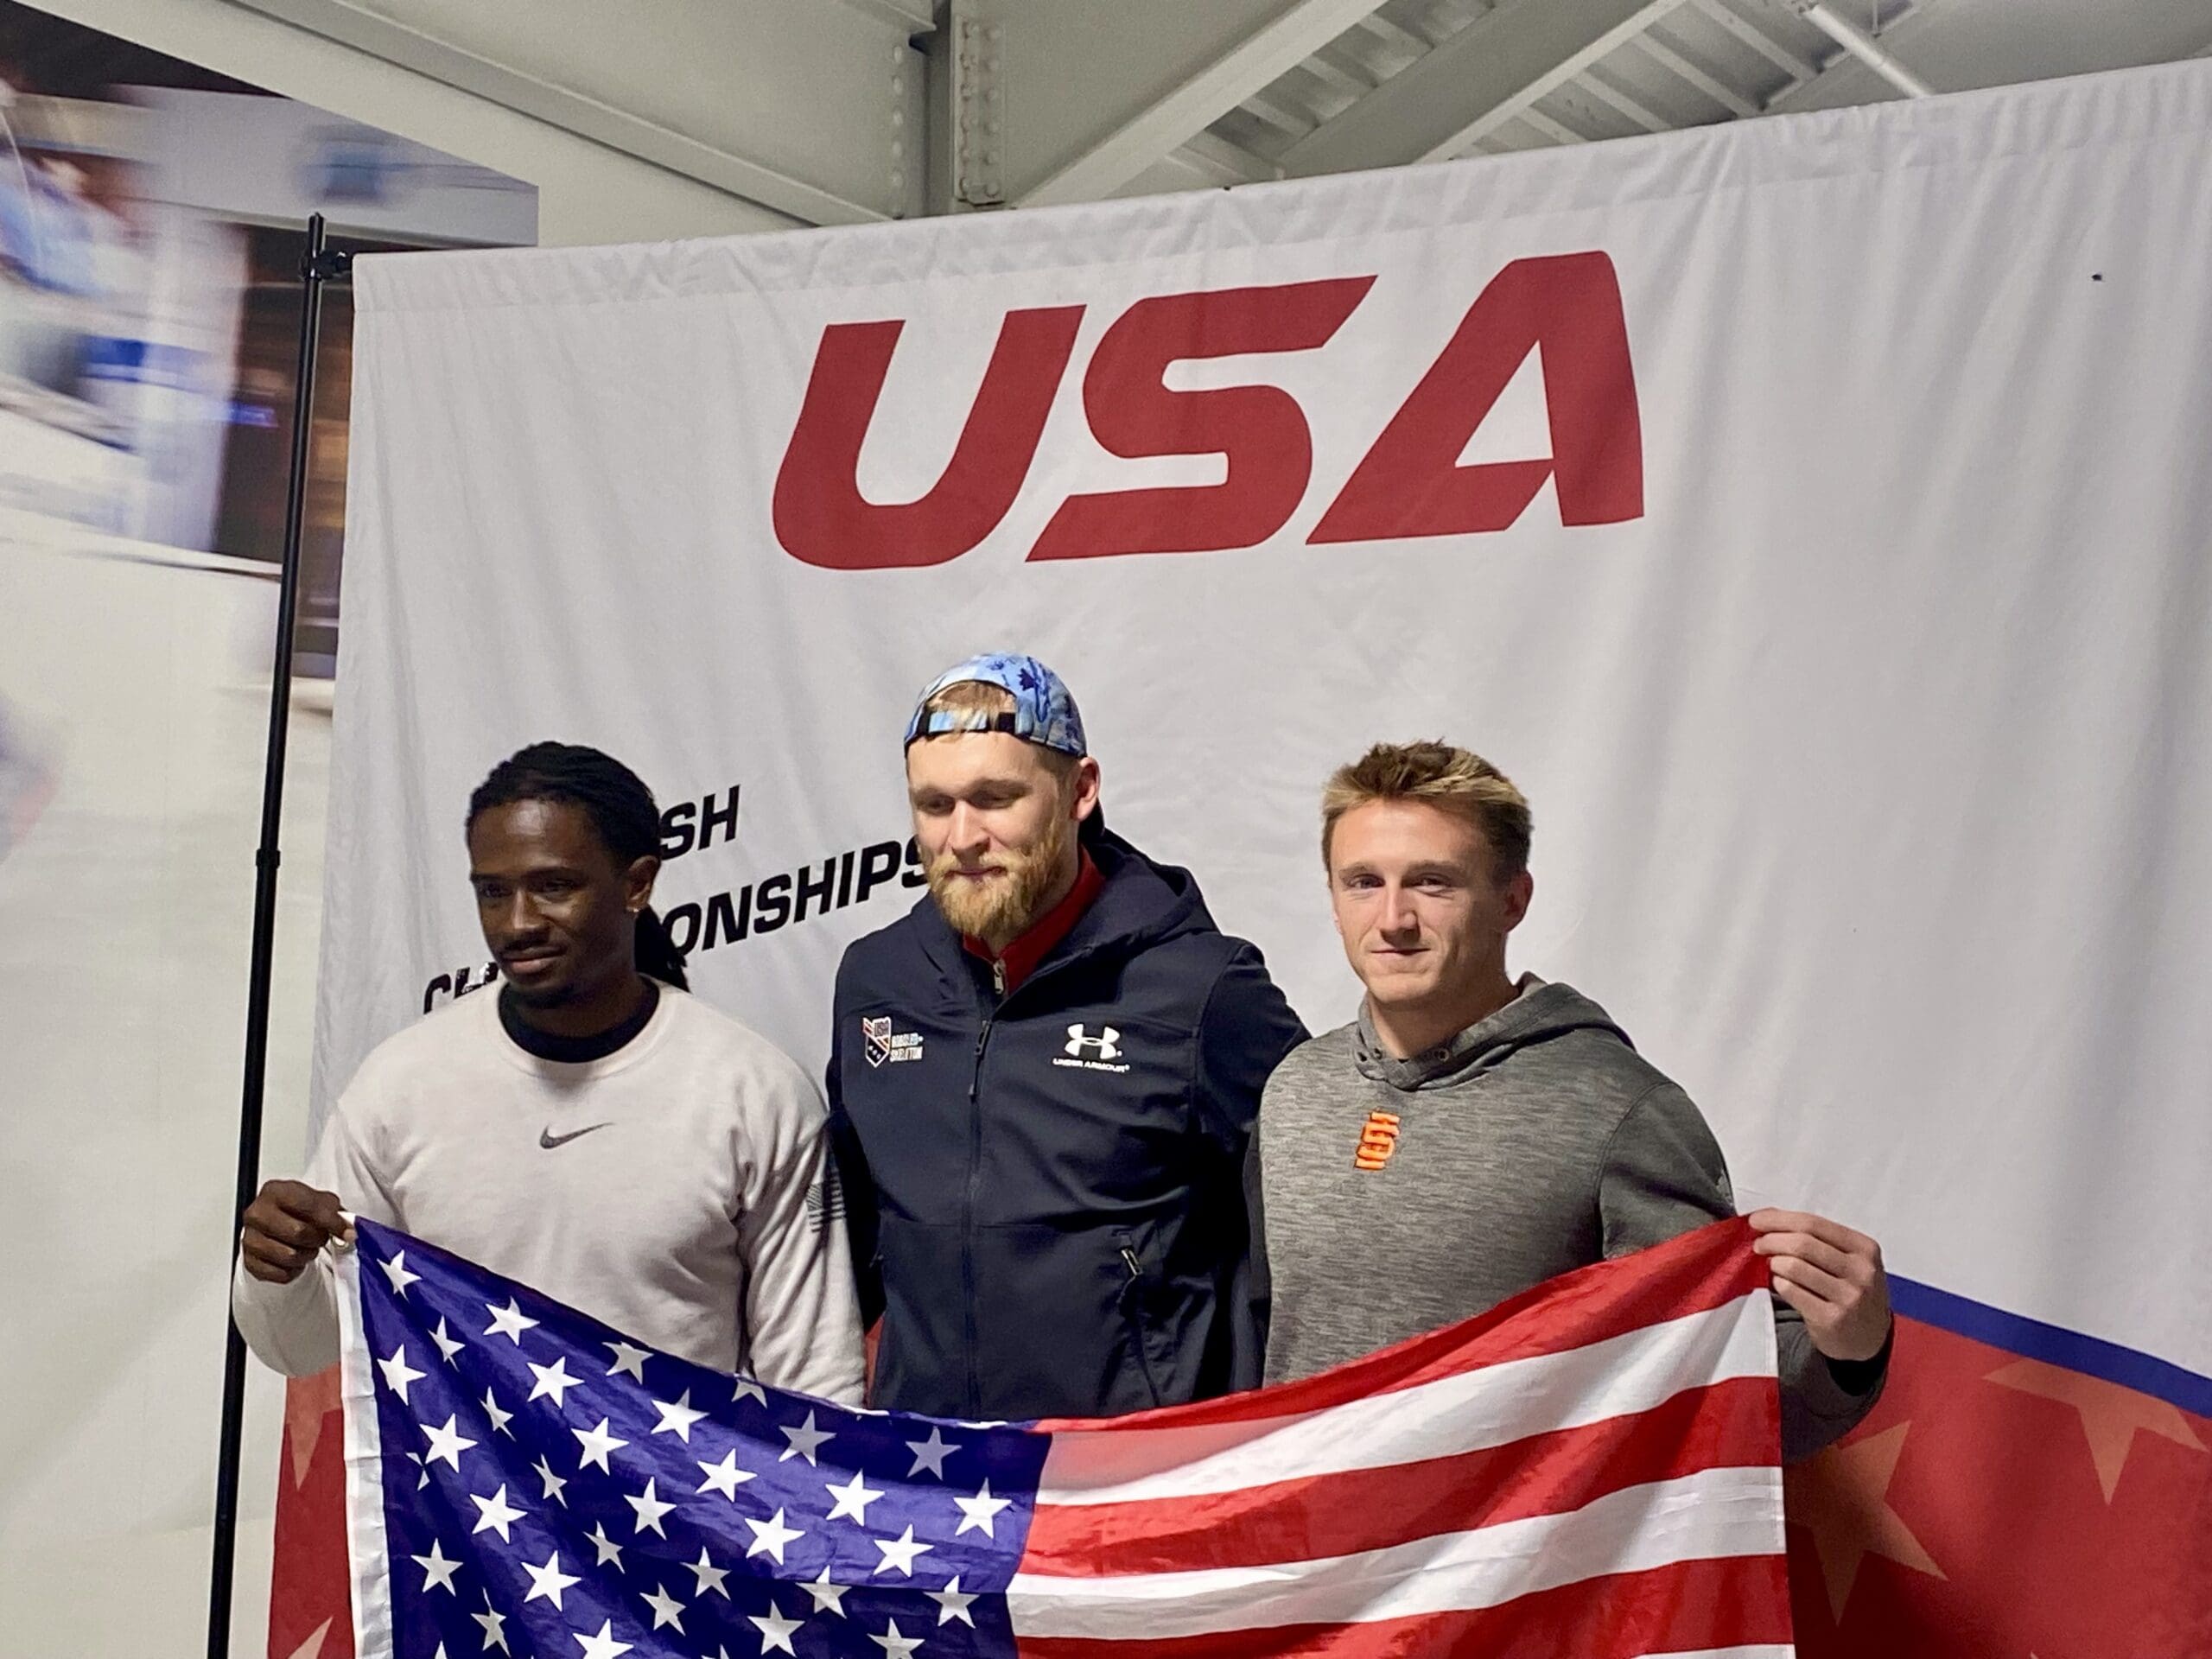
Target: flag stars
[(771, 1535), (894, 1645), (494, 1624), (747, 1388), (555, 1485), (448, 1346), (597, 1443), (499, 1419), (775, 1630), (547, 1579), (398, 1374), (677, 1419), (496, 1514), (650, 1508), (629, 1359), (828, 1598), (509, 1321), (805, 1440), (602, 1646), (667, 1610), (447, 1444), (553, 1382), (724, 1477), (437, 1571), (608, 1549), (931, 1454), (711, 1577), (952, 1605), (898, 1553), (853, 1500), (396, 1271), (980, 1512)]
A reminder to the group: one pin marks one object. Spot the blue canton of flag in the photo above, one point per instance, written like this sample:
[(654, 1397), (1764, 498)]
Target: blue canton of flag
[(522, 1480)]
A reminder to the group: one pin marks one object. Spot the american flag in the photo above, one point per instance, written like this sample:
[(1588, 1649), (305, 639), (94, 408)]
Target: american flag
[(1592, 1469)]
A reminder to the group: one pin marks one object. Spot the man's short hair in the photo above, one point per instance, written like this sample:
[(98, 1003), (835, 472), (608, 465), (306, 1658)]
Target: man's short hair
[(981, 697), (1455, 780)]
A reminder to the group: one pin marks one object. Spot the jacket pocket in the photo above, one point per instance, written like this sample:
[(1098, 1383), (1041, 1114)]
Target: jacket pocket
[(1136, 1301)]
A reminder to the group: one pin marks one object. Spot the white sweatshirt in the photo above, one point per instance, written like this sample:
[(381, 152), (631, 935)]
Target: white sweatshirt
[(674, 1190)]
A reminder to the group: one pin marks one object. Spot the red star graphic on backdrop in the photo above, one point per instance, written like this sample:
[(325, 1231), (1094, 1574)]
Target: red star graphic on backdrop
[(310, 1615), (2007, 1507)]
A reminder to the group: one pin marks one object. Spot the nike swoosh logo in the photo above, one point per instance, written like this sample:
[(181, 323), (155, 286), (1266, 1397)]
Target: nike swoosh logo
[(547, 1140)]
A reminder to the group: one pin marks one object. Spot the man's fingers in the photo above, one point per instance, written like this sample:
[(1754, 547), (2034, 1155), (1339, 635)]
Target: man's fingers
[(1821, 1254), (1803, 1301), (264, 1258), (286, 1227), (1794, 1270), (1832, 1233), (311, 1203)]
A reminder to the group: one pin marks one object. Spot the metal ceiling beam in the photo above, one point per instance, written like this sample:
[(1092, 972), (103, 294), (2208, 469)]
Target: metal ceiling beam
[(1400, 39), (1229, 163), (1277, 46), (1592, 82), (916, 16), (1558, 132), (564, 107), (1711, 85), (1202, 163), (1719, 13), (1841, 62), (1476, 81), (1864, 47)]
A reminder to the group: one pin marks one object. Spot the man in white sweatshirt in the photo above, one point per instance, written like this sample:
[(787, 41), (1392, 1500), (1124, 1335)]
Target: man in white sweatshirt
[(592, 1130)]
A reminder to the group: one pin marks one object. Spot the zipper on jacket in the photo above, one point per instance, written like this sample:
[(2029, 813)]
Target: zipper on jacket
[(967, 1214), (1133, 1316)]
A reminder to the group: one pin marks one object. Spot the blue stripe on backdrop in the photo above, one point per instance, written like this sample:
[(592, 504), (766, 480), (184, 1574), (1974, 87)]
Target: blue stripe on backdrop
[(2053, 1345)]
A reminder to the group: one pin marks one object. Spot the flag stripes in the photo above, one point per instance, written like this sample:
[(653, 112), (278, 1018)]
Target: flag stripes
[(1735, 1608), (1731, 1423)]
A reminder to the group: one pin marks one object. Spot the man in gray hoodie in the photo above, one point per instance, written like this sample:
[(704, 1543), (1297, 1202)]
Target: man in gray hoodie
[(1470, 1135)]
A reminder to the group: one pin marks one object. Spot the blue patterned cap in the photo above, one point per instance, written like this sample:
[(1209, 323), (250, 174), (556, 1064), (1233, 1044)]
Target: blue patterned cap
[(1044, 711)]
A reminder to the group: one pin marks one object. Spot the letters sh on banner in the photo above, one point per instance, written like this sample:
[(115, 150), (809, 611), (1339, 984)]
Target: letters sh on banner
[(1809, 514)]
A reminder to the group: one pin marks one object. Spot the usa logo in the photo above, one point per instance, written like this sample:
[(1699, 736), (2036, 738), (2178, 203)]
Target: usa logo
[(884, 1047)]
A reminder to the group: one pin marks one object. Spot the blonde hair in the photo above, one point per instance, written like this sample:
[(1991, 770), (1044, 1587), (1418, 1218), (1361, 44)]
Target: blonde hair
[(981, 697), (1453, 780)]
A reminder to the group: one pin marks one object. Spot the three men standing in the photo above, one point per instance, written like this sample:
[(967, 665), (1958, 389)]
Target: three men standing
[(1043, 1091)]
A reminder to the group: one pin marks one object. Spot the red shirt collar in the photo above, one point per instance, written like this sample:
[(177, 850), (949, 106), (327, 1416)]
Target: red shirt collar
[(1019, 959)]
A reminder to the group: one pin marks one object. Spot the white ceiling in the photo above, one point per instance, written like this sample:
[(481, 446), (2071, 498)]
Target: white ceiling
[(1414, 79), (837, 110)]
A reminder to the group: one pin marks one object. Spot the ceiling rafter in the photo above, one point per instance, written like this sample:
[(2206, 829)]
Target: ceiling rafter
[(1704, 79), (1474, 82), (1270, 52)]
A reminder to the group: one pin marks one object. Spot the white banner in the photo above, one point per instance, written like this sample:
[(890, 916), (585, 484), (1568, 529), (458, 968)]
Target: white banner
[(1811, 514)]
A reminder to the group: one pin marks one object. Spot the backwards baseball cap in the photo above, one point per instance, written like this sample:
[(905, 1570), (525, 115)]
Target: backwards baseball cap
[(1044, 711)]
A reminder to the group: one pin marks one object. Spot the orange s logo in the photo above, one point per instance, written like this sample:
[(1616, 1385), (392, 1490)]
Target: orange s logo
[(1378, 1138)]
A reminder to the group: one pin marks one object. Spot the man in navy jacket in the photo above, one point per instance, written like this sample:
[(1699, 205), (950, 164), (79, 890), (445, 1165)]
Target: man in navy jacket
[(1042, 1083)]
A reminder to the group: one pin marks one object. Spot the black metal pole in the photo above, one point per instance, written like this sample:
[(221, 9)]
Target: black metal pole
[(317, 266)]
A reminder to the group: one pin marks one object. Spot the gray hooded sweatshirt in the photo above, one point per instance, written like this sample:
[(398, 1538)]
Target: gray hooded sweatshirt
[(1532, 1143)]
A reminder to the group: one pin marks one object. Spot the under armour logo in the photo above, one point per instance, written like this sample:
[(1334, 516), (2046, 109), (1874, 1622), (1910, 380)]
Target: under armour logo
[(1107, 1046)]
